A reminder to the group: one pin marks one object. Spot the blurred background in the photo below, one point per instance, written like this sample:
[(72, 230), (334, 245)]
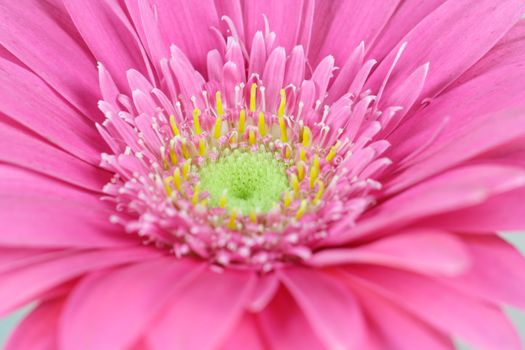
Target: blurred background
[(518, 317)]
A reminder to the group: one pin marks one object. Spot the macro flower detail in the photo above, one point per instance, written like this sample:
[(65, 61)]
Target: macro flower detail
[(230, 175)]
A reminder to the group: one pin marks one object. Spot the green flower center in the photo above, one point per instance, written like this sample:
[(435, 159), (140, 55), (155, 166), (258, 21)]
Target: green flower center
[(246, 181)]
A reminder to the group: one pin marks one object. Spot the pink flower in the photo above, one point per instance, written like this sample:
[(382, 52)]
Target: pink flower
[(263, 175)]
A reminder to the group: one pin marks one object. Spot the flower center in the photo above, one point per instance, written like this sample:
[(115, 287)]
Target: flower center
[(247, 181)]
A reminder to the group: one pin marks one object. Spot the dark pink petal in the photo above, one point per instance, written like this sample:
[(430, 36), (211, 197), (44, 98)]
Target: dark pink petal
[(201, 315), (16, 291), (135, 304), (330, 308), (479, 323), (36, 331), (435, 40), (284, 325), (13, 257), (30, 102), (425, 250), (109, 35), (42, 36)]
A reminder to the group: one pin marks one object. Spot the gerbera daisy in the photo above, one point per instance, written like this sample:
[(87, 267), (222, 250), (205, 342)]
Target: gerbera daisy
[(230, 175)]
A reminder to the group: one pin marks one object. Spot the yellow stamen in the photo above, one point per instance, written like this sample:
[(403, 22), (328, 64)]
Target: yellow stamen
[(196, 192), (300, 170), (217, 127), (167, 185), (251, 137), (314, 171), (333, 152), (280, 115), (186, 169), (173, 125), (233, 216), (184, 148), (295, 184), (262, 124), (307, 136), (320, 191), (218, 104), (253, 216), (196, 121), (287, 199), (173, 155), (287, 151), (302, 209), (223, 200), (253, 96), (242, 121), (177, 179), (302, 154), (202, 147)]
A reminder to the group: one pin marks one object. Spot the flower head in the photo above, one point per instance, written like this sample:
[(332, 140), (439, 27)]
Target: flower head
[(308, 175)]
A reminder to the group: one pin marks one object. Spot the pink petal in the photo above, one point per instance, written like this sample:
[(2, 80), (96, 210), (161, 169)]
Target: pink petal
[(23, 285), (177, 17), (203, 313), (267, 286), (424, 250), (245, 336), (500, 213), (107, 32), (32, 205), (23, 149), (45, 113), (284, 325), (460, 144), (408, 330), (12, 258), (42, 36), (455, 189), (136, 303), (435, 40), (330, 308), (497, 272), (339, 27), (289, 30), (35, 331), (479, 323)]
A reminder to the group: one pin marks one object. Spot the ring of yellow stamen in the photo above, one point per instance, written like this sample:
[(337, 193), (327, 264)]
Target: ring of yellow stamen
[(173, 125), (302, 209), (196, 121), (333, 152), (280, 115), (307, 136), (261, 124), (253, 96), (186, 169), (300, 170), (233, 216), (314, 171), (196, 193), (320, 191), (242, 121), (177, 179), (173, 155), (167, 186)]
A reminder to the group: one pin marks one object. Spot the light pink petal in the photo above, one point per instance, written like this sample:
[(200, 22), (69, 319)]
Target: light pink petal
[(500, 213), (460, 144), (289, 30), (339, 26), (497, 272), (284, 325), (177, 17), (273, 77), (23, 285), (202, 314), (245, 335), (479, 323), (27, 151), (233, 10), (455, 189), (35, 332), (423, 250), (30, 102), (435, 40), (42, 36), (329, 306), (109, 35), (394, 328), (135, 293)]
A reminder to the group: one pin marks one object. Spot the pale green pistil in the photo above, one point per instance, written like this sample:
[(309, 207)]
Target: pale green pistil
[(245, 181)]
